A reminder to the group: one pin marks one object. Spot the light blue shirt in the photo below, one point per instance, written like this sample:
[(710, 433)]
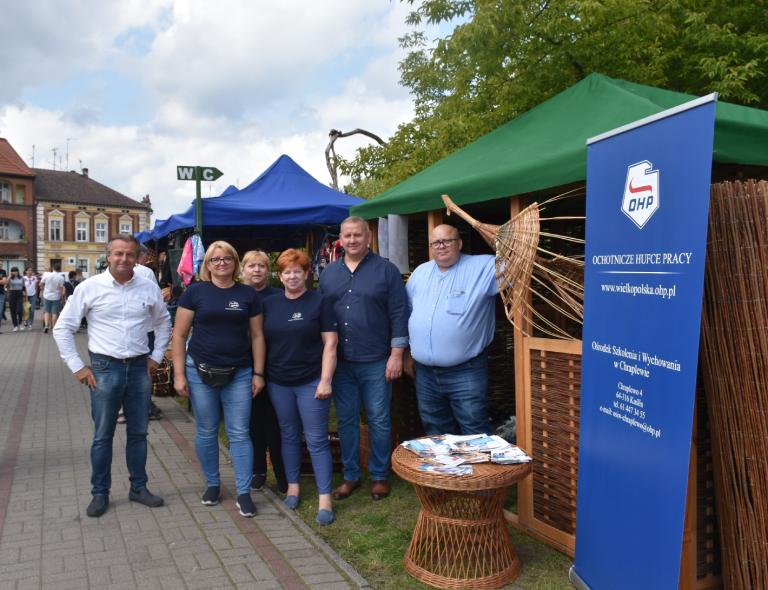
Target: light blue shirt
[(453, 316)]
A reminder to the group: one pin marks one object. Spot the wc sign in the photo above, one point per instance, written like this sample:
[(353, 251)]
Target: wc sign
[(641, 193)]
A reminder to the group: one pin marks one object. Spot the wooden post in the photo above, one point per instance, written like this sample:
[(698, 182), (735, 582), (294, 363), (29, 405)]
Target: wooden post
[(434, 218), (374, 225)]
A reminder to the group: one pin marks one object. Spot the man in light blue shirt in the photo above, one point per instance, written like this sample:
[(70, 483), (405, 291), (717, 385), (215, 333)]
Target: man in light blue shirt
[(452, 321)]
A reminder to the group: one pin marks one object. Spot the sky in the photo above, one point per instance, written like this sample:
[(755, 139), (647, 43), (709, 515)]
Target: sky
[(132, 89)]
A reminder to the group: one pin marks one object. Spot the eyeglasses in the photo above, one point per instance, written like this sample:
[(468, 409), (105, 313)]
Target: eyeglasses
[(442, 243), (222, 260)]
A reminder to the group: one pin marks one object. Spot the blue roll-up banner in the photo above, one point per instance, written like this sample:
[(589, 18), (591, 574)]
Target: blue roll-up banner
[(648, 187)]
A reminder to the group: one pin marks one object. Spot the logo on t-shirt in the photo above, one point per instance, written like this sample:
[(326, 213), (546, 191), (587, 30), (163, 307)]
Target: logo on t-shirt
[(233, 306), (296, 317)]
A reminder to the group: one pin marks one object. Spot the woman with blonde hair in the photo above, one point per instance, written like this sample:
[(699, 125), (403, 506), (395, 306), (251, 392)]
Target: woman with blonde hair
[(300, 328), (265, 431), (222, 368)]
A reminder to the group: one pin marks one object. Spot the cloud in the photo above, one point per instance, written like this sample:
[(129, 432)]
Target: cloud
[(142, 86)]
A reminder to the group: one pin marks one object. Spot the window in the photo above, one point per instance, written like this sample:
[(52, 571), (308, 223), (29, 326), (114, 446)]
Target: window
[(82, 265), (5, 192), (5, 228), (81, 230), (20, 194), (100, 228), (126, 227), (54, 230)]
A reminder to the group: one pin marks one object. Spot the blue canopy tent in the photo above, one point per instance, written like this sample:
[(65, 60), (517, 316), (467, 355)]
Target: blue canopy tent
[(283, 195)]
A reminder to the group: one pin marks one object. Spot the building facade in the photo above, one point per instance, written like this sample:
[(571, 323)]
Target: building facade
[(76, 216), (17, 210)]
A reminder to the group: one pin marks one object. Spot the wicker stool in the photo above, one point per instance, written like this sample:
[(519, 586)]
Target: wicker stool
[(461, 539)]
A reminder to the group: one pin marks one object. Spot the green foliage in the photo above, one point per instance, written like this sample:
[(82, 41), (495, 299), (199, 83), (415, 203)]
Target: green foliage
[(507, 56)]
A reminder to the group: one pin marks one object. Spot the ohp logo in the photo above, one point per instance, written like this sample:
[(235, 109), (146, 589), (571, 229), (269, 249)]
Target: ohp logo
[(641, 193)]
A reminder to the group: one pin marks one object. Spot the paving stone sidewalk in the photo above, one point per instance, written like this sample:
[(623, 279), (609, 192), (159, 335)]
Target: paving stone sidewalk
[(47, 541)]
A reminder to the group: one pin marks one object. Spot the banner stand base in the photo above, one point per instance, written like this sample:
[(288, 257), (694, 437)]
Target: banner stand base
[(574, 578)]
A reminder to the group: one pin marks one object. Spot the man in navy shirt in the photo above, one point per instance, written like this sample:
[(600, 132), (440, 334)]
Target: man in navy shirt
[(372, 310)]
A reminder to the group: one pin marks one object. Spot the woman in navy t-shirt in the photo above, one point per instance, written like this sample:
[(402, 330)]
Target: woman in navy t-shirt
[(227, 332), (265, 431), (300, 329)]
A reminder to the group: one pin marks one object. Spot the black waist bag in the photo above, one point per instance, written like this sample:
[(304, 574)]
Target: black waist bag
[(215, 376)]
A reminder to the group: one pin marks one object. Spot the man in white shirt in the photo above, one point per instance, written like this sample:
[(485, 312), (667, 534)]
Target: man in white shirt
[(53, 293), (121, 308)]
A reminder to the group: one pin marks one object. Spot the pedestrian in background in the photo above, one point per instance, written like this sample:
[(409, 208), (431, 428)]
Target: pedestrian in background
[(15, 290), (300, 328), (31, 285), (121, 308), (53, 294), (222, 368), (265, 430), (3, 282)]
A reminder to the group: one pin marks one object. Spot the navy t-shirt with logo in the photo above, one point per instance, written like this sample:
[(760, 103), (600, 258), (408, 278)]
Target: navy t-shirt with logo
[(221, 326), (292, 329)]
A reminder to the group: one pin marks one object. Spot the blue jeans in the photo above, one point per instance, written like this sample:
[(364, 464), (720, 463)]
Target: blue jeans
[(119, 383), (354, 382), (454, 400), (2, 307), (297, 410), (32, 304), (207, 404)]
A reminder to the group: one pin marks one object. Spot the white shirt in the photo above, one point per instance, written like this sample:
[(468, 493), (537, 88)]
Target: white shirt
[(119, 317), (146, 272), (30, 285), (52, 284)]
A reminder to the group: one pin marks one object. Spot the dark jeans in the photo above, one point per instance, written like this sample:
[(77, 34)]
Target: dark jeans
[(454, 400), (265, 435), (119, 383), (298, 410), (16, 305), (356, 383)]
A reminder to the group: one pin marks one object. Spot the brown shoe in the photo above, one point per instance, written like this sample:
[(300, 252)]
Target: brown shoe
[(380, 489), (345, 489)]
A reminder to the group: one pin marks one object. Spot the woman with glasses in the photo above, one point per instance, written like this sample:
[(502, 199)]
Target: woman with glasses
[(300, 327), (265, 431), (222, 368)]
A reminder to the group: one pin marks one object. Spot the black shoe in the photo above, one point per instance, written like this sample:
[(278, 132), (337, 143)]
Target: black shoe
[(144, 496), (258, 481), (155, 413), (98, 506), (245, 505), (212, 496), (45, 330), (282, 483)]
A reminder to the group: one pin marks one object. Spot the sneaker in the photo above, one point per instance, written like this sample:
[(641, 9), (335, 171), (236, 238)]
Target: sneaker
[(98, 506), (144, 496), (15, 328), (45, 330), (258, 481), (155, 413), (245, 505), (212, 496), (324, 517)]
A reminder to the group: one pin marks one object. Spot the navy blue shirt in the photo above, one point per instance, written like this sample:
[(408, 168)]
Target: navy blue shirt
[(292, 330), (371, 307), (268, 291), (221, 326)]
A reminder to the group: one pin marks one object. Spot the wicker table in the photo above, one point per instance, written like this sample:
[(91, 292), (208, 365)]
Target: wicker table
[(461, 539)]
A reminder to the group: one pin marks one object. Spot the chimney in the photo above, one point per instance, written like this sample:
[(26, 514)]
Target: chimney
[(85, 172)]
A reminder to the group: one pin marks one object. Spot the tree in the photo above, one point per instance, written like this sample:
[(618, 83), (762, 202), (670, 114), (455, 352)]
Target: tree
[(507, 56)]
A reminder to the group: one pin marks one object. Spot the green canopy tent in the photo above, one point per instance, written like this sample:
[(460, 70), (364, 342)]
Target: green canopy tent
[(546, 146)]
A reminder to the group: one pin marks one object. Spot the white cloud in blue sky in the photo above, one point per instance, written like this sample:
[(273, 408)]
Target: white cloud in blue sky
[(140, 86)]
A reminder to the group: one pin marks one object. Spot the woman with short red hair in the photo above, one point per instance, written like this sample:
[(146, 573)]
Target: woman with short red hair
[(300, 330)]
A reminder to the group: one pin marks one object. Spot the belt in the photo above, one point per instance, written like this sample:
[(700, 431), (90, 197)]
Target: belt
[(125, 361)]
